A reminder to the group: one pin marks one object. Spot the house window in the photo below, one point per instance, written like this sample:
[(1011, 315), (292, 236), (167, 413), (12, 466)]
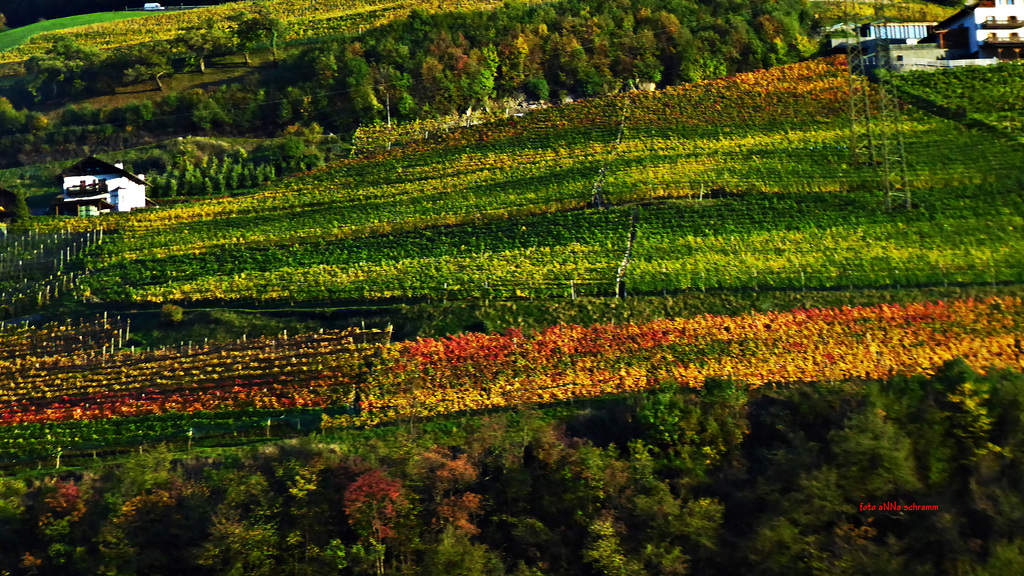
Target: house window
[(990, 19), (1012, 19), (88, 211), (991, 35), (1014, 36)]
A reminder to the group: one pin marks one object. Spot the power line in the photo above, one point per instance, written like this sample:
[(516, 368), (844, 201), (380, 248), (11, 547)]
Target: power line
[(862, 144)]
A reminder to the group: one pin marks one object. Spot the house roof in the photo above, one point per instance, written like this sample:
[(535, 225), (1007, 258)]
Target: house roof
[(92, 166), (941, 27)]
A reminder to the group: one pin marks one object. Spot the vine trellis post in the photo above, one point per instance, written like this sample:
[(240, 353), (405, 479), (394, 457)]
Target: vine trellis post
[(596, 199), (620, 276)]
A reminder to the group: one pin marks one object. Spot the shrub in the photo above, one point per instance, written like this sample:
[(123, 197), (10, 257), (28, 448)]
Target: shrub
[(171, 313)]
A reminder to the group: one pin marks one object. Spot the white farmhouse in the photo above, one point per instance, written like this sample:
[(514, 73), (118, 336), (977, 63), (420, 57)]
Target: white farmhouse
[(92, 187), (986, 29)]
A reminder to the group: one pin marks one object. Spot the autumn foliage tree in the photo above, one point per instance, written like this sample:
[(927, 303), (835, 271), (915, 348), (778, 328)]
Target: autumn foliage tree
[(63, 508), (447, 477), (372, 504), (597, 491)]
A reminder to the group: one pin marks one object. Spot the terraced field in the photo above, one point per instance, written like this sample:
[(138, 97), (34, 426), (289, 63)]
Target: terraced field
[(64, 390), (77, 387), (988, 96), (12, 38), (741, 183), (834, 11)]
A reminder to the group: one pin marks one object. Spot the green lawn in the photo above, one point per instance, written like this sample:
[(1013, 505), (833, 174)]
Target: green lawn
[(18, 36)]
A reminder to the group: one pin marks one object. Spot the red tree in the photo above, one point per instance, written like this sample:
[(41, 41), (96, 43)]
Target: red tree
[(372, 503)]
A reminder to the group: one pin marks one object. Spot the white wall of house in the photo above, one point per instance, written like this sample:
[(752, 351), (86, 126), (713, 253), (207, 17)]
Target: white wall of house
[(124, 194), (1001, 12)]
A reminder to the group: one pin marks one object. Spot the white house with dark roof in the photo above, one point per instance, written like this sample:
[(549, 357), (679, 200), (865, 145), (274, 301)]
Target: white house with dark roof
[(986, 29), (92, 186), (982, 33)]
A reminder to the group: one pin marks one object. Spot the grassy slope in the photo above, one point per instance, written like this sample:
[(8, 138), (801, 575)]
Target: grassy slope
[(18, 36), (219, 72), (492, 211)]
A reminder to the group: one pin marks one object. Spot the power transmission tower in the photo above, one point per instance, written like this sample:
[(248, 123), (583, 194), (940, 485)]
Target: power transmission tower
[(862, 142), (895, 185), (876, 139)]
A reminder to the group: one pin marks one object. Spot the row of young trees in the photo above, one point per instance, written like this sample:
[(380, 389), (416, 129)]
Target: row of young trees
[(213, 177), (236, 171), (908, 476)]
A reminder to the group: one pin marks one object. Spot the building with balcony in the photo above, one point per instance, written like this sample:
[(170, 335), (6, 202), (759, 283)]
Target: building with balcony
[(982, 33), (912, 45), (986, 29), (92, 187)]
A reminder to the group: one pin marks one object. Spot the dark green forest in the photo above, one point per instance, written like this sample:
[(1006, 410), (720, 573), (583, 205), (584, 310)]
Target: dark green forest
[(913, 475), (421, 66)]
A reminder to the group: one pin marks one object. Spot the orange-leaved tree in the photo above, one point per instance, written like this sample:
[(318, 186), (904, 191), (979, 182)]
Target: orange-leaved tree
[(372, 503)]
